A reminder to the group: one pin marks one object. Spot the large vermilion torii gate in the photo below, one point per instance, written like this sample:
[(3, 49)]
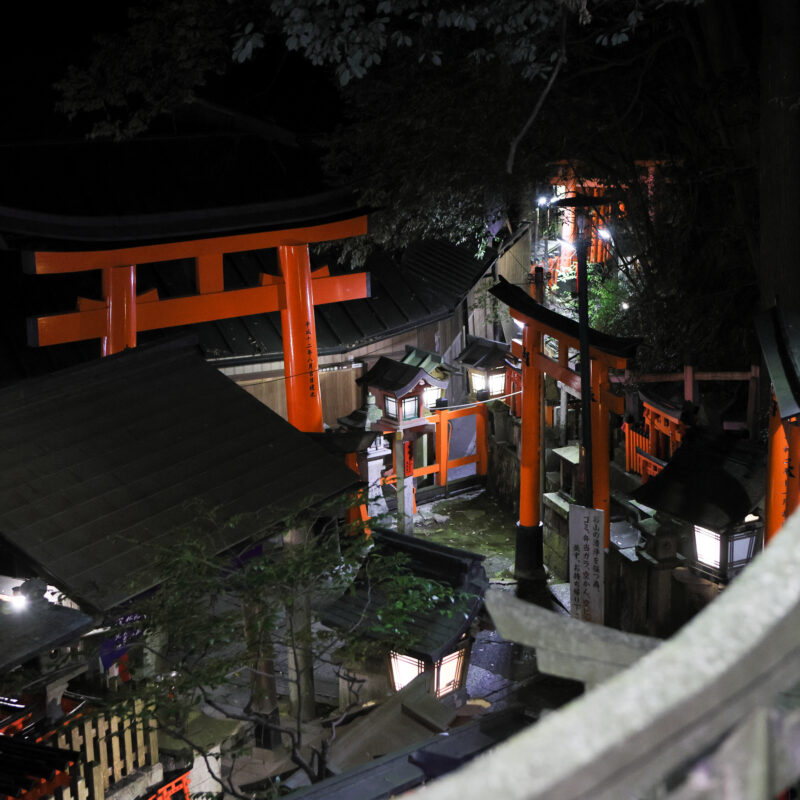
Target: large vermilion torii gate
[(606, 352), (122, 313)]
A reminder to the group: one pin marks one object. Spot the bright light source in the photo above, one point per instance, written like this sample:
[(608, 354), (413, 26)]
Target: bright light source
[(17, 601), (543, 200), (604, 233), (751, 518), (624, 306), (707, 544), (497, 384), (404, 669)]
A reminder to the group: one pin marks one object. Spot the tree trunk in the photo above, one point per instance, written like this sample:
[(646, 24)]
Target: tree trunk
[(263, 688), (302, 700)]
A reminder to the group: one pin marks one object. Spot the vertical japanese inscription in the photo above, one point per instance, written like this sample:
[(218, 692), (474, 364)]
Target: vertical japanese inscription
[(586, 563)]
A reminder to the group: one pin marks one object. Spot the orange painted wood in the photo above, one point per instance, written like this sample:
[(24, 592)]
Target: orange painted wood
[(442, 444), (793, 470), (338, 288), (51, 262), (601, 481), (777, 464), (70, 327), (529, 500), (301, 364), (206, 307), (481, 438), (557, 371), (89, 322), (208, 273), (119, 290)]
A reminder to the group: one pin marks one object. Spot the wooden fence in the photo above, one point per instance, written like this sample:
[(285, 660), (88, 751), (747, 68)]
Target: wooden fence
[(713, 712), (111, 748)]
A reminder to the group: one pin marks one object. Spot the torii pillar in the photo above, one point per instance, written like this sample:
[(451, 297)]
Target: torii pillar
[(122, 313)]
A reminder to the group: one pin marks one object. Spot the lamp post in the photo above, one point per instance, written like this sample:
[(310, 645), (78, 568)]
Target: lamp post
[(581, 246), (580, 203)]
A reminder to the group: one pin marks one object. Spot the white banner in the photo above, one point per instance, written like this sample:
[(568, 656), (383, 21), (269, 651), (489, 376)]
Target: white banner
[(586, 560)]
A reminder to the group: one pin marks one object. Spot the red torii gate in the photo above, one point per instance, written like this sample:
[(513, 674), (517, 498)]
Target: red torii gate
[(122, 313), (606, 352)]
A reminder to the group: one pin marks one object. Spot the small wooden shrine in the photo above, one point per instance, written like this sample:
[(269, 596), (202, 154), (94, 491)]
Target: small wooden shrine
[(404, 393)]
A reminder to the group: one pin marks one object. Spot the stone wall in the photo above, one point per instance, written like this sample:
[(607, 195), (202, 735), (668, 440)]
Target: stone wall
[(502, 478), (556, 535)]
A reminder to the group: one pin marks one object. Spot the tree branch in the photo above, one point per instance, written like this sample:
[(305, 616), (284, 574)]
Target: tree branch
[(562, 57)]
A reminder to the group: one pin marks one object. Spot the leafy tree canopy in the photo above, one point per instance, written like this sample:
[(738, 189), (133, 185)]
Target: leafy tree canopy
[(451, 113)]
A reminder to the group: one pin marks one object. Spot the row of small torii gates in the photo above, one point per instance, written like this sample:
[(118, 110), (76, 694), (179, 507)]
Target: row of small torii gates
[(122, 314)]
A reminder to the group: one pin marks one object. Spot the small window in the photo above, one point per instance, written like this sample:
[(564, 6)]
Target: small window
[(478, 381), (430, 396), (497, 384), (410, 407), (405, 669), (390, 406)]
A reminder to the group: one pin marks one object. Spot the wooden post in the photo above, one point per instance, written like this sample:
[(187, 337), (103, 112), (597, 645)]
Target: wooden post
[(97, 789), (116, 756), (301, 366), (529, 546), (481, 428), (102, 746), (600, 450), (442, 445), (777, 463), (119, 290), (127, 742), (689, 385), (792, 428), (138, 705), (88, 740)]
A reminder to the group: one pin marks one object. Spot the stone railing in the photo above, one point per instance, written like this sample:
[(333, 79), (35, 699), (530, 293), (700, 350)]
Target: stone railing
[(712, 712)]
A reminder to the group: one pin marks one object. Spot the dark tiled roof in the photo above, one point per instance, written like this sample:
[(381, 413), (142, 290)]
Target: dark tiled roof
[(102, 465), (434, 633), (38, 627), (79, 194), (484, 353), (394, 376), (416, 764), (519, 300), (779, 336), (446, 270), (714, 483)]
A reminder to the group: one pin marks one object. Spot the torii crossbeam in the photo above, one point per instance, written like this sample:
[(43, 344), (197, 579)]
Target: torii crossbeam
[(118, 318)]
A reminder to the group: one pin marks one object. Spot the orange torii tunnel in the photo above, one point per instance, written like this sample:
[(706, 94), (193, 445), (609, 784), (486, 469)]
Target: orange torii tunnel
[(606, 353), (122, 313)]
